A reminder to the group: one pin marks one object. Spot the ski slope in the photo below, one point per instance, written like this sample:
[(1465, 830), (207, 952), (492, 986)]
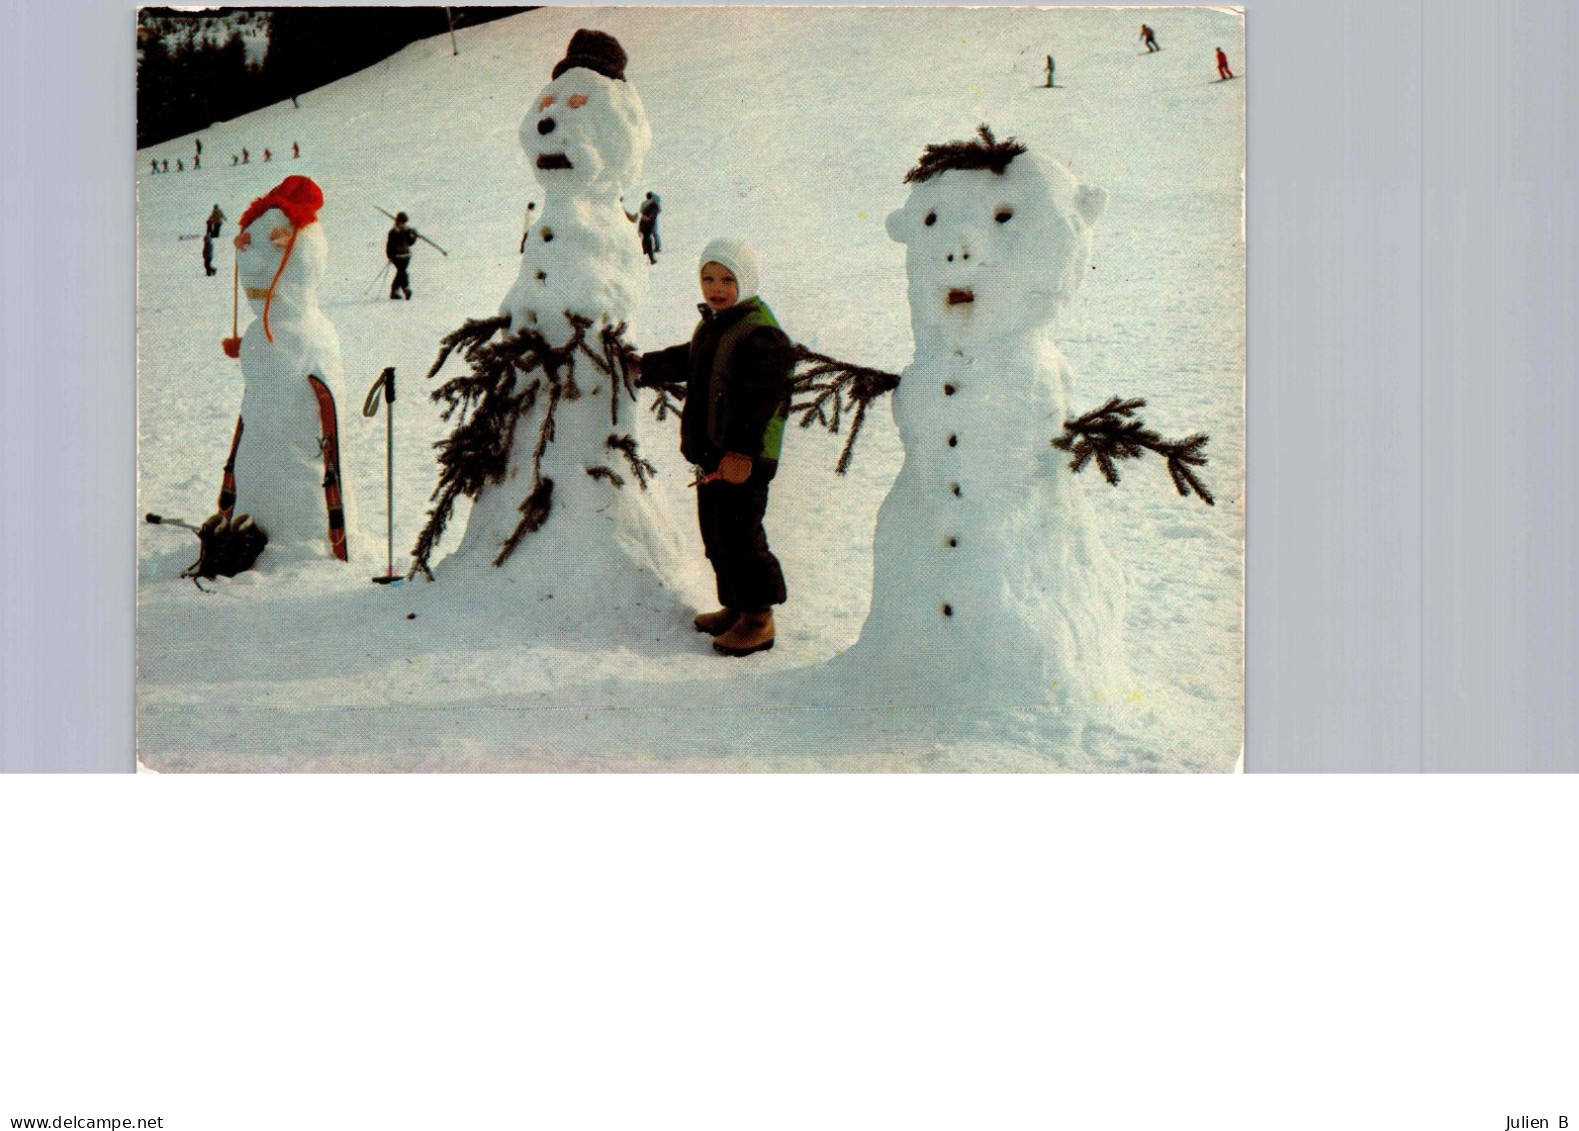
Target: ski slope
[(793, 128)]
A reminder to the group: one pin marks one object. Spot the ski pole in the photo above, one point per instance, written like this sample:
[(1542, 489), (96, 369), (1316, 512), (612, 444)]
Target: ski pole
[(386, 384), (160, 520), (376, 278)]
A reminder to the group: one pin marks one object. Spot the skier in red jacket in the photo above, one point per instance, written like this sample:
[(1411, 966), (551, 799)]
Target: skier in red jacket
[(1222, 65)]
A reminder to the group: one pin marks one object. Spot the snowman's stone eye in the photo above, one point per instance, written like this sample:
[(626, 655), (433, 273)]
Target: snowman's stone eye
[(1003, 215), (932, 218)]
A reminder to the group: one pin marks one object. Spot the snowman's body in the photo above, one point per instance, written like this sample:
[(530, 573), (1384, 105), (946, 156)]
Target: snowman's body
[(585, 137), (991, 583), (280, 460)]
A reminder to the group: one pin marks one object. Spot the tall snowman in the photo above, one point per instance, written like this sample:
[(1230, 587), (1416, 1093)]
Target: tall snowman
[(284, 467), (991, 585), (570, 523)]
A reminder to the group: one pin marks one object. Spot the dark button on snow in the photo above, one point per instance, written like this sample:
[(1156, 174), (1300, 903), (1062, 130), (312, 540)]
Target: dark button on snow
[(948, 610), (948, 390), (542, 275), (951, 543), (954, 487), (953, 441)]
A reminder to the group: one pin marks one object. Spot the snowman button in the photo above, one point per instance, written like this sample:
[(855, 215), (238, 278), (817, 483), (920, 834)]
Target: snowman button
[(953, 440), (954, 487), (948, 610), (948, 390), (951, 543)]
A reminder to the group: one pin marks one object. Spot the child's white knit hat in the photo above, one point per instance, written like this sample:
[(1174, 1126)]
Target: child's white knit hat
[(739, 258)]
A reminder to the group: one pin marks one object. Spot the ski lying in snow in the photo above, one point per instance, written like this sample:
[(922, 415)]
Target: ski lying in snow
[(329, 443)]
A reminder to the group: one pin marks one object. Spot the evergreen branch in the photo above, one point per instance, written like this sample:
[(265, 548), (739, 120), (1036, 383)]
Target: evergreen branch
[(601, 472), (832, 385), (1113, 432), (473, 331), (640, 468)]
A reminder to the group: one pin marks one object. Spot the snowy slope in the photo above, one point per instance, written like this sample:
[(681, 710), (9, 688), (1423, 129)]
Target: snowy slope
[(793, 127)]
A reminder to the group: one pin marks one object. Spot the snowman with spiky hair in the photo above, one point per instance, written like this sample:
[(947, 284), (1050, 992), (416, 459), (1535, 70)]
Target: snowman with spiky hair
[(569, 521), (991, 583)]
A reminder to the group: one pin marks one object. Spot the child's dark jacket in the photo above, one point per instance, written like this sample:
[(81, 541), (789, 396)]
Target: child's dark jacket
[(736, 371)]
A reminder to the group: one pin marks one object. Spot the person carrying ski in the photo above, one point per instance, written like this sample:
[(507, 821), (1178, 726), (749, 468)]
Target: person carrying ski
[(1149, 37), (397, 249), (1222, 65), (215, 222), (736, 371), (647, 227)]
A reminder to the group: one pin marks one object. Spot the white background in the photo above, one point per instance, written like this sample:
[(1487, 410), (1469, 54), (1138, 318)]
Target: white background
[(858, 952)]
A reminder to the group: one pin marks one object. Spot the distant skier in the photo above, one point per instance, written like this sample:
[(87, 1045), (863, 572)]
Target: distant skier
[(397, 248), (1222, 66), (246, 158), (154, 166), (197, 152), (208, 252), (215, 221), (165, 165), (179, 168), (234, 160), (1049, 72), (296, 151), (267, 155), (1149, 37), (647, 226), (197, 162)]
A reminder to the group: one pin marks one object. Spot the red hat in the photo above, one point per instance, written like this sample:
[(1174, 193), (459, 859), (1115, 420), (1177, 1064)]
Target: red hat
[(298, 197)]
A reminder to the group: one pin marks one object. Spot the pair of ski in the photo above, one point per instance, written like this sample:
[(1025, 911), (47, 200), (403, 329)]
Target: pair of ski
[(328, 443)]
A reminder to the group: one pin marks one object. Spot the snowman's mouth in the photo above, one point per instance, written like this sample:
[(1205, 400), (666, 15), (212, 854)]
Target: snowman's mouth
[(553, 161), (958, 297)]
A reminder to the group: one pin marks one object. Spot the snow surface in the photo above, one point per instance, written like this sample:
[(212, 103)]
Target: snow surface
[(794, 128)]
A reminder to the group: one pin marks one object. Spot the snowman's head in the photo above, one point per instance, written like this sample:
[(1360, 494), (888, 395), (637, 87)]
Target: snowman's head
[(281, 252), (588, 130), (996, 238)]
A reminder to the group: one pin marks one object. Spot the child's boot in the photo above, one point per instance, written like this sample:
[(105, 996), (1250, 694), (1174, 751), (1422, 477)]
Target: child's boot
[(753, 632), (715, 624)]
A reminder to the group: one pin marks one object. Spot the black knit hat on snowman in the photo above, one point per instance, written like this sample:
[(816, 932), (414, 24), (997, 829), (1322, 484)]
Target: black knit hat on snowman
[(596, 51)]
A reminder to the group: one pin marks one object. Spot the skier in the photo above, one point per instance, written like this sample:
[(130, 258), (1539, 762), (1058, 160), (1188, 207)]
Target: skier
[(154, 165), (208, 252), (179, 168), (197, 142), (397, 249), (267, 155), (736, 370), (215, 222), (197, 162), (246, 158), (1222, 66), (234, 160), (1049, 72), (165, 165), (1149, 37), (296, 151), (647, 226)]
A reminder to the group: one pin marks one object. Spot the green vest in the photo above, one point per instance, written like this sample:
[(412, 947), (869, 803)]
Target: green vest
[(773, 435)]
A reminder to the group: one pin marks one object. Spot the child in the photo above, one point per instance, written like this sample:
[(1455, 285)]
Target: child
[(736, 370)]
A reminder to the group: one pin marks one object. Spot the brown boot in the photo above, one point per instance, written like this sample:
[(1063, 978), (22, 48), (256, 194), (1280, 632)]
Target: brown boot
[(753, 632), (716, 623)]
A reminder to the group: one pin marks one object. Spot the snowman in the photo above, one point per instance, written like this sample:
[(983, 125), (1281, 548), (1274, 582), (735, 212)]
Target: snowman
[(991, 583), (285, 459), (597, 537)]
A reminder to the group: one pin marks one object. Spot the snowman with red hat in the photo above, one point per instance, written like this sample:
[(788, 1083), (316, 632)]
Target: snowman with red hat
[(284, 466)]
